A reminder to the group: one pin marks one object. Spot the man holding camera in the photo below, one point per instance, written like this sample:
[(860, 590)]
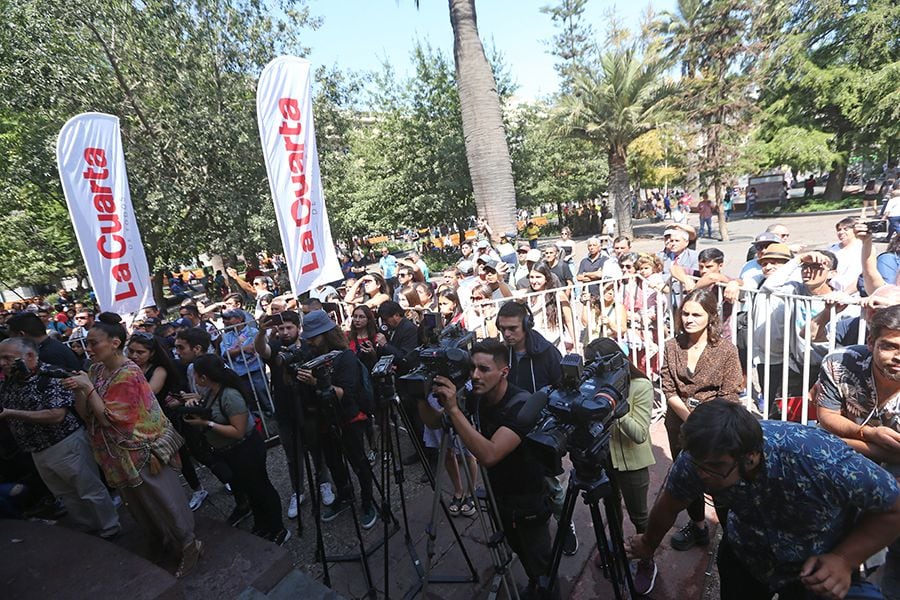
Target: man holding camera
[(296, 425), (39, 412), (346, 418), (495, 439), (804, 509)]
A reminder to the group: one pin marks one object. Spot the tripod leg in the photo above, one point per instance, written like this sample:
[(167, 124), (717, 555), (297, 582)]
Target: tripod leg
[(548, 582), (616, 537), (386, 456), (606, 552), (431, 529), (316, 513)]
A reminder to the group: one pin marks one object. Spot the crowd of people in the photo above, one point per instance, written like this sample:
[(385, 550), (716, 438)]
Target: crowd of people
[(161, 396)]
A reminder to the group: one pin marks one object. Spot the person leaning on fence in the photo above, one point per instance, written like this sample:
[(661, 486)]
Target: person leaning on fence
[(804, 510), (237, 350), (134, 443), (858, 398), (38, 411), (700, 366), (345, 433)]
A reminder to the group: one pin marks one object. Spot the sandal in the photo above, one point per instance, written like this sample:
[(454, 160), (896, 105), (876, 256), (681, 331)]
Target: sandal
[(467, 507), (455, 506)]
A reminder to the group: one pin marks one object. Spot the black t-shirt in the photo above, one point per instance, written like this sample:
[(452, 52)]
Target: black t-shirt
[(519, 473), (286, 396), (53, 352)]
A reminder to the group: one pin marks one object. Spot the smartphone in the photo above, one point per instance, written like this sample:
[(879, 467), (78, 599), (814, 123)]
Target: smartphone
[(273, 320)]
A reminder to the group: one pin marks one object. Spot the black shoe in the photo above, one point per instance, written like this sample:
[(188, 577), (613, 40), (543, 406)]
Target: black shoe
[(331, 513), (423, 478), (570, 542), (238, 514), (689, 536), (279, 538)]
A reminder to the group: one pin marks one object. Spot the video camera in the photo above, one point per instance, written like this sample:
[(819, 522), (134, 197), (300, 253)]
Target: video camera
[(293, 358), (321, 367), (577, 415), (51, 372), (447, 356)]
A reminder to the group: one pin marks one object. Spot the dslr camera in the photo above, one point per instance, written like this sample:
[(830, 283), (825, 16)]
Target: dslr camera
[(447, 357), (578, 413), (879, 226), (293, 358), (321, 367)]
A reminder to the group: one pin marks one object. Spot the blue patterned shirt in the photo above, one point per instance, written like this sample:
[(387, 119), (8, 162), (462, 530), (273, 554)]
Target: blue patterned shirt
[(810, 490)]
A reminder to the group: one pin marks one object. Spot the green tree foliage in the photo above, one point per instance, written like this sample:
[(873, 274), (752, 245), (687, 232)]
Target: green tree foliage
[(574, 45), (654, 159), (181, 77), (624, 99), (833, 69), (550, 168)]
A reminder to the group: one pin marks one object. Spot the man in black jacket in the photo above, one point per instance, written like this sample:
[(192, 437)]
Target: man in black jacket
[(400, 339), (534, 364)]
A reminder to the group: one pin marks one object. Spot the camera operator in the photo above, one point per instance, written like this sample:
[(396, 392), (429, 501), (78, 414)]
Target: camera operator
[(323, 336), (296, 425), (534, 364), (401, 338), (804, 509), (496, 441), (38, 411)]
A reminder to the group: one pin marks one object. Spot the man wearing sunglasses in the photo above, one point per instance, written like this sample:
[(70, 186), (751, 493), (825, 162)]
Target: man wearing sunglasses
[(804, 510)]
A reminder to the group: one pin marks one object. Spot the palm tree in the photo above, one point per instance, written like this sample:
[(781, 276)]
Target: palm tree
[(625, 99), (487, 152), (679, 29)]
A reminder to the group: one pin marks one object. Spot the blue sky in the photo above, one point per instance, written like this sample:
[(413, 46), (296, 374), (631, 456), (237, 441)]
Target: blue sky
[(360, 35)]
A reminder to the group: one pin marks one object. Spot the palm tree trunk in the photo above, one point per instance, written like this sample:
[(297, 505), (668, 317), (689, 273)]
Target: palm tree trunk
[(618, 189), (486, 149)]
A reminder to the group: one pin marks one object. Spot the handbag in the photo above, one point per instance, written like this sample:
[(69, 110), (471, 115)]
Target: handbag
[(164, 448)]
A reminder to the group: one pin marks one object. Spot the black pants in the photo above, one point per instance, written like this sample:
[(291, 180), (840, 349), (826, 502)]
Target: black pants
[(298, 436), (737, 583), (250, 478), (696, 509), (529, 538), (632, 487), (353, 447)]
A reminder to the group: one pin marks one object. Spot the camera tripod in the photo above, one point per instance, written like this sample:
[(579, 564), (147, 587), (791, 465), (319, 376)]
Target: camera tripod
[(596, 485), (501, 555), (391, 412)]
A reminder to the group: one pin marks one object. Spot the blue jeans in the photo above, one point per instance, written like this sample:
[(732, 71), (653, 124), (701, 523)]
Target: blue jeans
[(260, 389), (893, 227), (707, 221)]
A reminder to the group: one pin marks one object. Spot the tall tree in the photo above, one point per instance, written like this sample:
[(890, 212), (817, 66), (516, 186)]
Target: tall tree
[(574, 45), (181, 77), (487, 152), (833, 69), (625, 99)]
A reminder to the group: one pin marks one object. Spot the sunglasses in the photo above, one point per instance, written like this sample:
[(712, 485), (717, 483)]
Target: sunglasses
[(142, 335), (404, 275), (489, 270), (627, 266), (522, 251)]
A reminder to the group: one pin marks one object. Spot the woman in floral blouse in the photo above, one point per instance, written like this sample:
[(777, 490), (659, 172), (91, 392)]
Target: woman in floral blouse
[(126, 424)]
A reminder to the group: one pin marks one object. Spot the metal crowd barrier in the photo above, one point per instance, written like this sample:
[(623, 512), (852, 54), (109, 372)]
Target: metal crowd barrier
[(776, 324)]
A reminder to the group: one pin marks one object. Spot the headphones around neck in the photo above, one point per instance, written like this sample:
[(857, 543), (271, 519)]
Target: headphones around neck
[(527, 318)]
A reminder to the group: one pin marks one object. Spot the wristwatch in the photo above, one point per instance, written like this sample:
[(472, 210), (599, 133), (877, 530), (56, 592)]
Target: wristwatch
[(210, 424)]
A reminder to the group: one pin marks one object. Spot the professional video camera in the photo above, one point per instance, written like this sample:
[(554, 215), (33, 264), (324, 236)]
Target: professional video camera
[(51, 372), (321, 367), (448, 356), (577, 415), (293, 358)]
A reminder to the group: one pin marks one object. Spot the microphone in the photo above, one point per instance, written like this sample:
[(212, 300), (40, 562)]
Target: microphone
[(529, 413)]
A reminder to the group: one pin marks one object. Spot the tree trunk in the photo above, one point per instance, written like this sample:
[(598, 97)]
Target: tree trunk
[(618, 189), (720, 212), (834, 189), (159, 295), (486, 149)]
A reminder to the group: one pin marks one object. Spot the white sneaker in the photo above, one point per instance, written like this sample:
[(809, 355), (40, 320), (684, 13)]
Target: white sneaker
[(197, 498), (228, 488), (294, 506), (327, 493)]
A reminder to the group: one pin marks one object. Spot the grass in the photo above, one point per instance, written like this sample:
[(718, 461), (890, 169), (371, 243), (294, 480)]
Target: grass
[(816, 204)]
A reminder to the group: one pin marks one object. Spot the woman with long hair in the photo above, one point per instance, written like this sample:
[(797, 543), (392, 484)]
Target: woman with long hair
[(133, 441), (481, 317), (450, 308), (229, 430), (631, 453), (552, 311), (148, 353), (361, 336), (370, 289), (700, 366)]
